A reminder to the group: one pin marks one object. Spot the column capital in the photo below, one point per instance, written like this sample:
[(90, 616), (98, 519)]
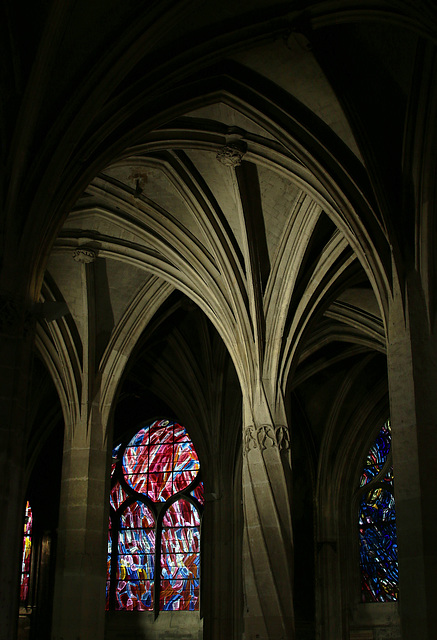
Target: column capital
[(265, 436), (84, 255)]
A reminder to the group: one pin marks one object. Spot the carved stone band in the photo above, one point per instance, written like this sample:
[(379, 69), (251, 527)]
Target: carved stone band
[(265, 436), (84, 255)]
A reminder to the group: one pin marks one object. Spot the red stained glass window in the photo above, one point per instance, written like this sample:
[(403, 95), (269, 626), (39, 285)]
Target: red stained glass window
[(180, 558), (117, 496), (160, 461), (156, 501), (199, 493), (27, 549)]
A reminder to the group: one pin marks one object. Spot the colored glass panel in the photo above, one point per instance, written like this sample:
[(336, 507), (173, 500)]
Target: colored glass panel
[(160, 460), (135, 559), (136, 516), (181, 513), (180, 558), (182, 539), (27, 550), (377, 455), (108, 580), (136, 541), (108, 564), (180, 565), (378, 547), (199, 493), (24, 587), (108, 586), (136, 567), (117, 496), (377, 508), (160, 487), (135, 467), (180, 434), (377, 527), (371, 472), (116, 453), (183, 480), (179, 595), (115, 458), (184, 459), (134, 595)]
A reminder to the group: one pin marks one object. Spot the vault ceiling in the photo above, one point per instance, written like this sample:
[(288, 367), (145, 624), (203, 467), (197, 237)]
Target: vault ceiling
[(237, 171), (247, 238)]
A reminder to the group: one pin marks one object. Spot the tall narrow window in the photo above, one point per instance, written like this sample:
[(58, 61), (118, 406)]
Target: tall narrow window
[(156, 503), (377, 523), (25, 560)]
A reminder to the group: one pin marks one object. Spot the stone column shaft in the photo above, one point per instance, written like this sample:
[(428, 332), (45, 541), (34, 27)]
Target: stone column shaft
[(412, 369), (268, 544), (79, 603), (221, 567)]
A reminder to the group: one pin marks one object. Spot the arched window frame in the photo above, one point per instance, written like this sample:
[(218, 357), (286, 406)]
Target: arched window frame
[(192, 494), (382, 481)]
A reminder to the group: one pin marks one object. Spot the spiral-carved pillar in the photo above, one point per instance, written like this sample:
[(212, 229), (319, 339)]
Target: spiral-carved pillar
[(268, 541)]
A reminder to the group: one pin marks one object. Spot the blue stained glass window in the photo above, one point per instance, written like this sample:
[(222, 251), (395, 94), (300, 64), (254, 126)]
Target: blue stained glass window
[(377, 524), (377, 455), (156, 501)]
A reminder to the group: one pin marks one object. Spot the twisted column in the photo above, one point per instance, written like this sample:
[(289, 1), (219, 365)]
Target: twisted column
[(268, 542)]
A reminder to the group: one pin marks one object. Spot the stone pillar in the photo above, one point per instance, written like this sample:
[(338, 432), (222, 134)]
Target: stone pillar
[(329, 596), (16, 334), (412, 372), (267, 543), (79, 601), (221, 601)]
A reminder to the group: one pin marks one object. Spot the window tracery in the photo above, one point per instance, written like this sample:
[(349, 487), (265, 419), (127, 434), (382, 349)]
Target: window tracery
[(156, 504)]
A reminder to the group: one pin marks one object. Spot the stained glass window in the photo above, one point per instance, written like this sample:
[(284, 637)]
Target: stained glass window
[(27, 548), (156, 502), (377, 523), (180, 558)]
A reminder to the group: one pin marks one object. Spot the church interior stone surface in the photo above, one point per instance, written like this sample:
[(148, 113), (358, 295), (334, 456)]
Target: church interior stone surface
[(224, 215)]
